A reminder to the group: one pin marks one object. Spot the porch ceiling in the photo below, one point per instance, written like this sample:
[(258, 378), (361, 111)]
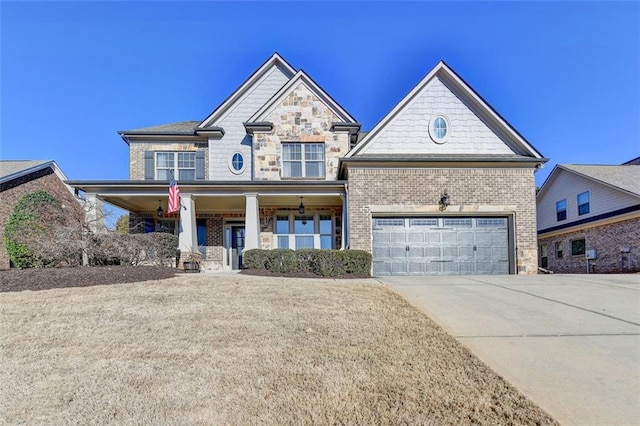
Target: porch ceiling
[(222, 203)]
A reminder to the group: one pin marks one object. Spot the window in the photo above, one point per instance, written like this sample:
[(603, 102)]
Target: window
[(583, 203), (168, 162), (303, 160), (299, 232), (166, 225), (561, 210), (544, 259), (439, 129), (559, 248), (236, 163), (577, 247)]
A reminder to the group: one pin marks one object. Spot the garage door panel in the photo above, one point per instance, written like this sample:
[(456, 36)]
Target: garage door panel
[(441, 246)]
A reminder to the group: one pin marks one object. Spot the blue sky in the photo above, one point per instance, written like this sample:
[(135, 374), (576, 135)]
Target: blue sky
[(566, 75)]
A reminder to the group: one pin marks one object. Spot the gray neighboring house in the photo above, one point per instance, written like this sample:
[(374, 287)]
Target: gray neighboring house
[(590, 214), (441, 185)]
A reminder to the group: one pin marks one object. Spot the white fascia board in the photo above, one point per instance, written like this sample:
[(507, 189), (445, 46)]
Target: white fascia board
[(301, 77), (259, 74), (404, 102)]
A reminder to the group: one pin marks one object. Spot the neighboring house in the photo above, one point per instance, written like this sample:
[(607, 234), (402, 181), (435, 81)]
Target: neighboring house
[(281, 164), (582, 208), (19, 178)]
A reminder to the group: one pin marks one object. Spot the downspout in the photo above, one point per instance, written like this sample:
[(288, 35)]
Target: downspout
[(345, 217)]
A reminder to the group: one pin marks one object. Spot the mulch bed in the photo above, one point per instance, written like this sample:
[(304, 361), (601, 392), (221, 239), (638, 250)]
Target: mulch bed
[(266, 273), (48, 278)]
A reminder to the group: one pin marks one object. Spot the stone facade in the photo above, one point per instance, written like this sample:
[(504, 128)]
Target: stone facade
[(301, 117), (472, 190), (137, 150), (11, 192), (607, 239)]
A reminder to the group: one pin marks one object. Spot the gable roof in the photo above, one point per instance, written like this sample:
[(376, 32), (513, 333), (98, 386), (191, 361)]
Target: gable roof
[(274, 61), (444, 72), (180, 127), (634, 162), (14, 169), (301, 77), (624, 178)]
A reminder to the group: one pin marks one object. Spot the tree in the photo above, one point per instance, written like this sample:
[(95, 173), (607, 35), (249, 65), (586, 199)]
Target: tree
[(122, 224)]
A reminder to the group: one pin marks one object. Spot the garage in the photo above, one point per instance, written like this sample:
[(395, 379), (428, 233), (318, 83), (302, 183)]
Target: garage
[(441, 245)]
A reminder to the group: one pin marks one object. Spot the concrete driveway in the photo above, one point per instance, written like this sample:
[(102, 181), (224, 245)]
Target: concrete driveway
[(571, 343)]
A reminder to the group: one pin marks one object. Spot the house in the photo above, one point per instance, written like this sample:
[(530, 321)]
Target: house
[(589, 218), (441, 185), (19, 178)]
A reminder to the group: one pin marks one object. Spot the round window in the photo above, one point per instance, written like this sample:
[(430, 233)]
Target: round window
[(236, 163), (439, 129)]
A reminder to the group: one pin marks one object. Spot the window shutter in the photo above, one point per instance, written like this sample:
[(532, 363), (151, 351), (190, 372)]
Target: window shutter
[(149, 166), (199, 165)]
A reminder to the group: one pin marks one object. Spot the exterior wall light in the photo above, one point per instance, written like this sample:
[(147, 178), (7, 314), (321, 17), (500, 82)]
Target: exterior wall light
[(301, 207)]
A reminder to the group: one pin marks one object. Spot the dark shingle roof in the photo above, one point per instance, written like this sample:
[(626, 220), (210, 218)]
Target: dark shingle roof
[(186, 127)]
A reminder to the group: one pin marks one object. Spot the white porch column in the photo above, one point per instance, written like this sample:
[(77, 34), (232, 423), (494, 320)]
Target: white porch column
[(187, 238), (94, 213), (251, 221)]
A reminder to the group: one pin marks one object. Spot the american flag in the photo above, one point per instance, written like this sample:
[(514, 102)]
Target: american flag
[(174, 196)]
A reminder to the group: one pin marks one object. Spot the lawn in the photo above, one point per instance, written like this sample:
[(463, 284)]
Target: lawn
[(234, 349)]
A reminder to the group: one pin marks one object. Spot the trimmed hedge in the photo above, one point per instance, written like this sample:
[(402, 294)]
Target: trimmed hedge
[(325, 263)]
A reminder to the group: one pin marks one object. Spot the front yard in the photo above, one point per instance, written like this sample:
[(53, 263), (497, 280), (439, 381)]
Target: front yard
[(234, 349)]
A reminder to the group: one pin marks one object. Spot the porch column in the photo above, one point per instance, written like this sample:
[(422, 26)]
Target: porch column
[(94, 213), (251, 221), (345, 211), (187, 237)]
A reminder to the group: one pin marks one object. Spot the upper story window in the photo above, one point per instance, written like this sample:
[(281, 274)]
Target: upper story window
[(303, 160), (561, 210), (439, 128), (183, 165), (583, 203), (168, 162), (237, 163)]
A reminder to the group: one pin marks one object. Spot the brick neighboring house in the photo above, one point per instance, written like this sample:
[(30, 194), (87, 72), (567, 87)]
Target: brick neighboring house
[(441, 185), (586, 207), (18, 178)]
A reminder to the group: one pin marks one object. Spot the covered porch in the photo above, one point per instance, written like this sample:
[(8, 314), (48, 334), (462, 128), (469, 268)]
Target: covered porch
[(222, 220)]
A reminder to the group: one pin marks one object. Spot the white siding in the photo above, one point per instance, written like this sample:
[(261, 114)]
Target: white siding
[(236, 138), (408, 133), (566, 185)]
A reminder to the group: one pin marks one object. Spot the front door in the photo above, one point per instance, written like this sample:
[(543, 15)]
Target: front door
[(237, 246)]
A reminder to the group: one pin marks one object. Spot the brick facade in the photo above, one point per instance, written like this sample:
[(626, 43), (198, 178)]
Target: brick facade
[(473, 190), (11, 192), (137, 150), (608, 240)]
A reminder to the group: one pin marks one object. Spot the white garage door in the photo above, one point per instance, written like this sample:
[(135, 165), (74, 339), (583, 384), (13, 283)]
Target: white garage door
[(440, 246)]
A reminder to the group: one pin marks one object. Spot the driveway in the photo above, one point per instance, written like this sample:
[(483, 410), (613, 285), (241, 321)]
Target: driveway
[(571, 343)]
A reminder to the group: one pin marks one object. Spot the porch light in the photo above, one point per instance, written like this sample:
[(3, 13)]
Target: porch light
[(444, 200), (301, 207), (160, 212)]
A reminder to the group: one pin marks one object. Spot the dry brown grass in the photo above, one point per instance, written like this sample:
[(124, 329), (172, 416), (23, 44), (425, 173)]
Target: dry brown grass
[(239, 350)]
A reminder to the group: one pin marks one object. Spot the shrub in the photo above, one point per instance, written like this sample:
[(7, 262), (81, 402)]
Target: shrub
[(155, 248), (282, 261), (326, 263), (36, 230)]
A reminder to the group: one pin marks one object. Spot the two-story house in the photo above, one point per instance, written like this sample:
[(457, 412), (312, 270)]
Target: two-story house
[(590, 211), (441, 185)]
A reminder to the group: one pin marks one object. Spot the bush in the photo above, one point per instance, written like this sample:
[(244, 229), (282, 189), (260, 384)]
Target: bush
[(155, 248), (37, 233), (325, 263)]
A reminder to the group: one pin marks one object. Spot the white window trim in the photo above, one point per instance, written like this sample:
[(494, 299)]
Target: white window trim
[(303, 161), (588, 192), (244, 163), (174, 168), (315, 217), (432, 132)]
